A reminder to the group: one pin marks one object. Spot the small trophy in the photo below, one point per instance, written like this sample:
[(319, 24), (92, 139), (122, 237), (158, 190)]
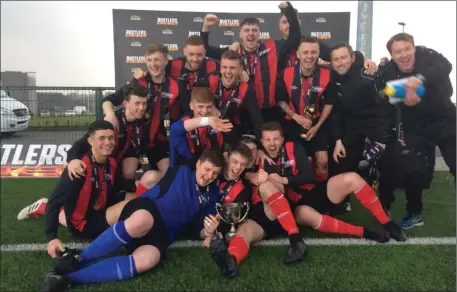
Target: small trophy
[(166, 124), (310, 113), (231, 214)]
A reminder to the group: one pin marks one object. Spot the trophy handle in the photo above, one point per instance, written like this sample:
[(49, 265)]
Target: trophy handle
[(247, 212), (218, 208)]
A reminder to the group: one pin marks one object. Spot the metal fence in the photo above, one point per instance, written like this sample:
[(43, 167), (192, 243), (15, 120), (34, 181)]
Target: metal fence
[(50, 109)]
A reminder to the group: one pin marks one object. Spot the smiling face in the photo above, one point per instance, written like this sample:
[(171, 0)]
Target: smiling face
[(136, 105), (308, 54), (102, 142), (206, 172), (230, 71), (272, 142), (250, 36), (156, 63), (194, 56), (341, 60), (236, 164), (403, 53)]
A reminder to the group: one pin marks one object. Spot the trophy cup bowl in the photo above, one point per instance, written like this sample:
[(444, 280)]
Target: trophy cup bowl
[(232, 214), (310, 113)]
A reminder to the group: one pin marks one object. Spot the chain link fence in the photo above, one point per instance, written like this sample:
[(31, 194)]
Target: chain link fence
[(50, 109)]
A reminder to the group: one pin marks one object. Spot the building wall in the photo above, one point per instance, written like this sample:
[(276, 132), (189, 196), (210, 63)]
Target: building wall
[(28, 97)]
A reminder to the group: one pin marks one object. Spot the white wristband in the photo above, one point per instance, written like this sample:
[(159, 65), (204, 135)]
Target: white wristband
[(204, 122)]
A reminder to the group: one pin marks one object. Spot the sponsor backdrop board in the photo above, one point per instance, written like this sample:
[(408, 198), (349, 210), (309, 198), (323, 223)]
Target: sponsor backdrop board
[(27, 154), (135, 29)]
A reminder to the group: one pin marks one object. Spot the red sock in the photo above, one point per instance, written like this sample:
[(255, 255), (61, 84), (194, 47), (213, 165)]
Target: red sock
[(281, 209), (333, 225), (369, 200), (140, 189), (239, 248)]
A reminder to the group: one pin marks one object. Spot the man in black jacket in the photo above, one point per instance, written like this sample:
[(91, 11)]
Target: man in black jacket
[(420, 124), (354, 113)]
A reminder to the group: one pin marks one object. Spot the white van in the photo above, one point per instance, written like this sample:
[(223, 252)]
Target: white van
[(14, 115)]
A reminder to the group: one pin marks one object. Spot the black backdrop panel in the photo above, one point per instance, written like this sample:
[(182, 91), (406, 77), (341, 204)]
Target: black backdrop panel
[(135, 29)]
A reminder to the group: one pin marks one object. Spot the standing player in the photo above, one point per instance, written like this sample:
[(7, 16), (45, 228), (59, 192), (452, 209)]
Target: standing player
[(261, 58), (307, 84), (192, 70), (149, 224), (235, 99)]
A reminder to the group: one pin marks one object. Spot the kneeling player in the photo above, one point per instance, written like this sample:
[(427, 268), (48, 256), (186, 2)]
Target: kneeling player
[(86, 205), (149, 224)]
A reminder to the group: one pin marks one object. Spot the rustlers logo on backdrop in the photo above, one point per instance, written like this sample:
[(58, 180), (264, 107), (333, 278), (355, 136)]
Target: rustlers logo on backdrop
[(321, 19), (167, 21), (136, 33), (135, 59), (135, 44), (321, 35), (224, 46), (167, 31), (33, 160), (229, 22), (198, 19), (172, 47), (135, 17), (265, 36), (261, 20), (229, 32), (191, 33)]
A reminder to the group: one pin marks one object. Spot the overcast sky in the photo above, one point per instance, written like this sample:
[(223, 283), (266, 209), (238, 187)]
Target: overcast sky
[(71, 43)]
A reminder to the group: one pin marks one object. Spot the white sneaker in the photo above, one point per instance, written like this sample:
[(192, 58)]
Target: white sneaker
[(34, 210)]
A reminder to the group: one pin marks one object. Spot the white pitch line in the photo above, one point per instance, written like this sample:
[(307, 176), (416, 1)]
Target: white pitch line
[(272, 242)]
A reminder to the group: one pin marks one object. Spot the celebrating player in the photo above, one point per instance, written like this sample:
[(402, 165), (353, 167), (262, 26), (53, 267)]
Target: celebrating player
[(163, 108), (127, 149), (87, 205), (149, 224), (301, 87), (261, 58)]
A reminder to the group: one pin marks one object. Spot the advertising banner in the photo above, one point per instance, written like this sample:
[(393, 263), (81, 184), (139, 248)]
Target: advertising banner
[(135, 29)]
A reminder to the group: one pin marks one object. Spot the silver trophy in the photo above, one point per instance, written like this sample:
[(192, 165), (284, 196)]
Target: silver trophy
[(232, 214)]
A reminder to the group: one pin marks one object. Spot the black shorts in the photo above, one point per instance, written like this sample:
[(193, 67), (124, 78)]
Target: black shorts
[(320, 142), (271, 228), (131, 152), (317, 199), (96, 224), (157, 236), (160, 151)]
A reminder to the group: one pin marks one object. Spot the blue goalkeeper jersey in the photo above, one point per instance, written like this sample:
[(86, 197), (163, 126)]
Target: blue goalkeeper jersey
[(177, 196)]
